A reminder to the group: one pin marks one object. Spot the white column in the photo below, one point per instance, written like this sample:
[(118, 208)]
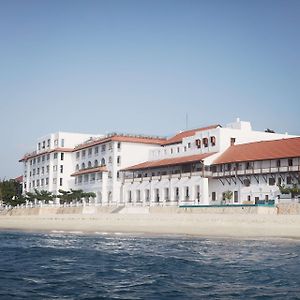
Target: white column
[(104, 188), (204, 192)]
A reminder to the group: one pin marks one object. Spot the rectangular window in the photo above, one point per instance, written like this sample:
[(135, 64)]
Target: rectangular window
[(61, 168), (90, 151), (60, 181), (187, 193), (47, 169), (119, 145), (47, 181), (83, 153), (271, 181), (62, 156), (54, 180), (39, 146), (43, 158), (55, 155), (118, 160), (42, 182), (103, 148), (48, 156), (33, 172), (44, 144), (62, 142), (290, 162), (236, 197), (54, 168), (213, 196), (38, 160), (38, 171), (43, 170), (96, 150), (232, 141), (77, 155), (48, 143), (278, 163), (279, 180)]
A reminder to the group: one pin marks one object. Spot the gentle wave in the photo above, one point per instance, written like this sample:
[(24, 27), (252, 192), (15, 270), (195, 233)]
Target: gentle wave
[(71, 265)]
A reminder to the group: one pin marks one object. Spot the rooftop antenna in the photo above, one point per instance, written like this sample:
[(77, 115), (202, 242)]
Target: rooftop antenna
[(186, 121)]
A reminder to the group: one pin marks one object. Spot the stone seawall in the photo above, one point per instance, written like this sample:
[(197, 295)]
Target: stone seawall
[(85, 210), (281, 209), (288, 209), (216, 210)]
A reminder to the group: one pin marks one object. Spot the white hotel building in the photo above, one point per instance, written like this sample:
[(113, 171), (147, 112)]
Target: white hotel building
[(193, 167)]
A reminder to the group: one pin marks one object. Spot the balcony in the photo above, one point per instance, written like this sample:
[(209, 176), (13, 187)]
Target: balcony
[(256, 171)]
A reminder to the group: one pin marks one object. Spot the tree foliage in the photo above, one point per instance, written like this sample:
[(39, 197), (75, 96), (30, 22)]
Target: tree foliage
[(294, 190), (11, 192), (227, 195)]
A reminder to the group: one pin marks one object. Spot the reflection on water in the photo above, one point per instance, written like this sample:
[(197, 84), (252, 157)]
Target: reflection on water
[(61, 265)]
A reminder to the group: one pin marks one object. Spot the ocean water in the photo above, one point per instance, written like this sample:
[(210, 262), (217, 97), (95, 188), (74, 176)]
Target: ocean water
[(62, 265)]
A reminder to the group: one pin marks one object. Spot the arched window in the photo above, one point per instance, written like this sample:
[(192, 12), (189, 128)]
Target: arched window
[(213, 140), (83, 166), (103, 162), (96, 163), (198, 143), (89, 164), (77, 167), (205, 142)]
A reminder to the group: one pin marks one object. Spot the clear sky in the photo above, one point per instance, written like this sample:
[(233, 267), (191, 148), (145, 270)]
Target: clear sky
[(140, 66)]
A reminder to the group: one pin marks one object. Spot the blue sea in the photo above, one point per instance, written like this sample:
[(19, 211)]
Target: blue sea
[(61, 265)]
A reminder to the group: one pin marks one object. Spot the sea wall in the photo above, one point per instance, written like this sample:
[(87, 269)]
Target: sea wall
[(85, 210), (216, 210), (288, 209)]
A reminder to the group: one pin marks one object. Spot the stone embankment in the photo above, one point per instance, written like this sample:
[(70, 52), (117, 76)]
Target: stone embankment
[(280, 209)]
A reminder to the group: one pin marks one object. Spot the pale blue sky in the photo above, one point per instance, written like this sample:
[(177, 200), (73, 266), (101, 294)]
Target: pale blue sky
[(140, 66)]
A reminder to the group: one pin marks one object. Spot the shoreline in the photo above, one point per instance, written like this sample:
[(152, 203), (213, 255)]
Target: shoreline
[(189, 225)]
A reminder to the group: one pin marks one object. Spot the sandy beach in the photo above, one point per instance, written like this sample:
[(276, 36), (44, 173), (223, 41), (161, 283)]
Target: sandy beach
[(217, 225)]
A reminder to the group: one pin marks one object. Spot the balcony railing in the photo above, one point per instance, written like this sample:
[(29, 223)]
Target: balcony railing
[(256, 171)]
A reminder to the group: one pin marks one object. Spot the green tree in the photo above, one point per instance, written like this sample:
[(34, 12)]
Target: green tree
[(227, 196), (11, 192)]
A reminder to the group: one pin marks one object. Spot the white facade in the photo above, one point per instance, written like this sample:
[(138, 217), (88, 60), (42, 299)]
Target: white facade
[(49, 167), (105, 165)]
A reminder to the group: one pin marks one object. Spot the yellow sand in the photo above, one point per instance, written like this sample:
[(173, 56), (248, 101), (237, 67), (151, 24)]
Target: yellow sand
[(221, 225)]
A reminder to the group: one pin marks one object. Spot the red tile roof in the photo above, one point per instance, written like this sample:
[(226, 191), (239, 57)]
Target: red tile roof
[(19, 179), (35, 154), (90, 170), (263, 150), (178, 137), (121, 138), (169, 162)]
